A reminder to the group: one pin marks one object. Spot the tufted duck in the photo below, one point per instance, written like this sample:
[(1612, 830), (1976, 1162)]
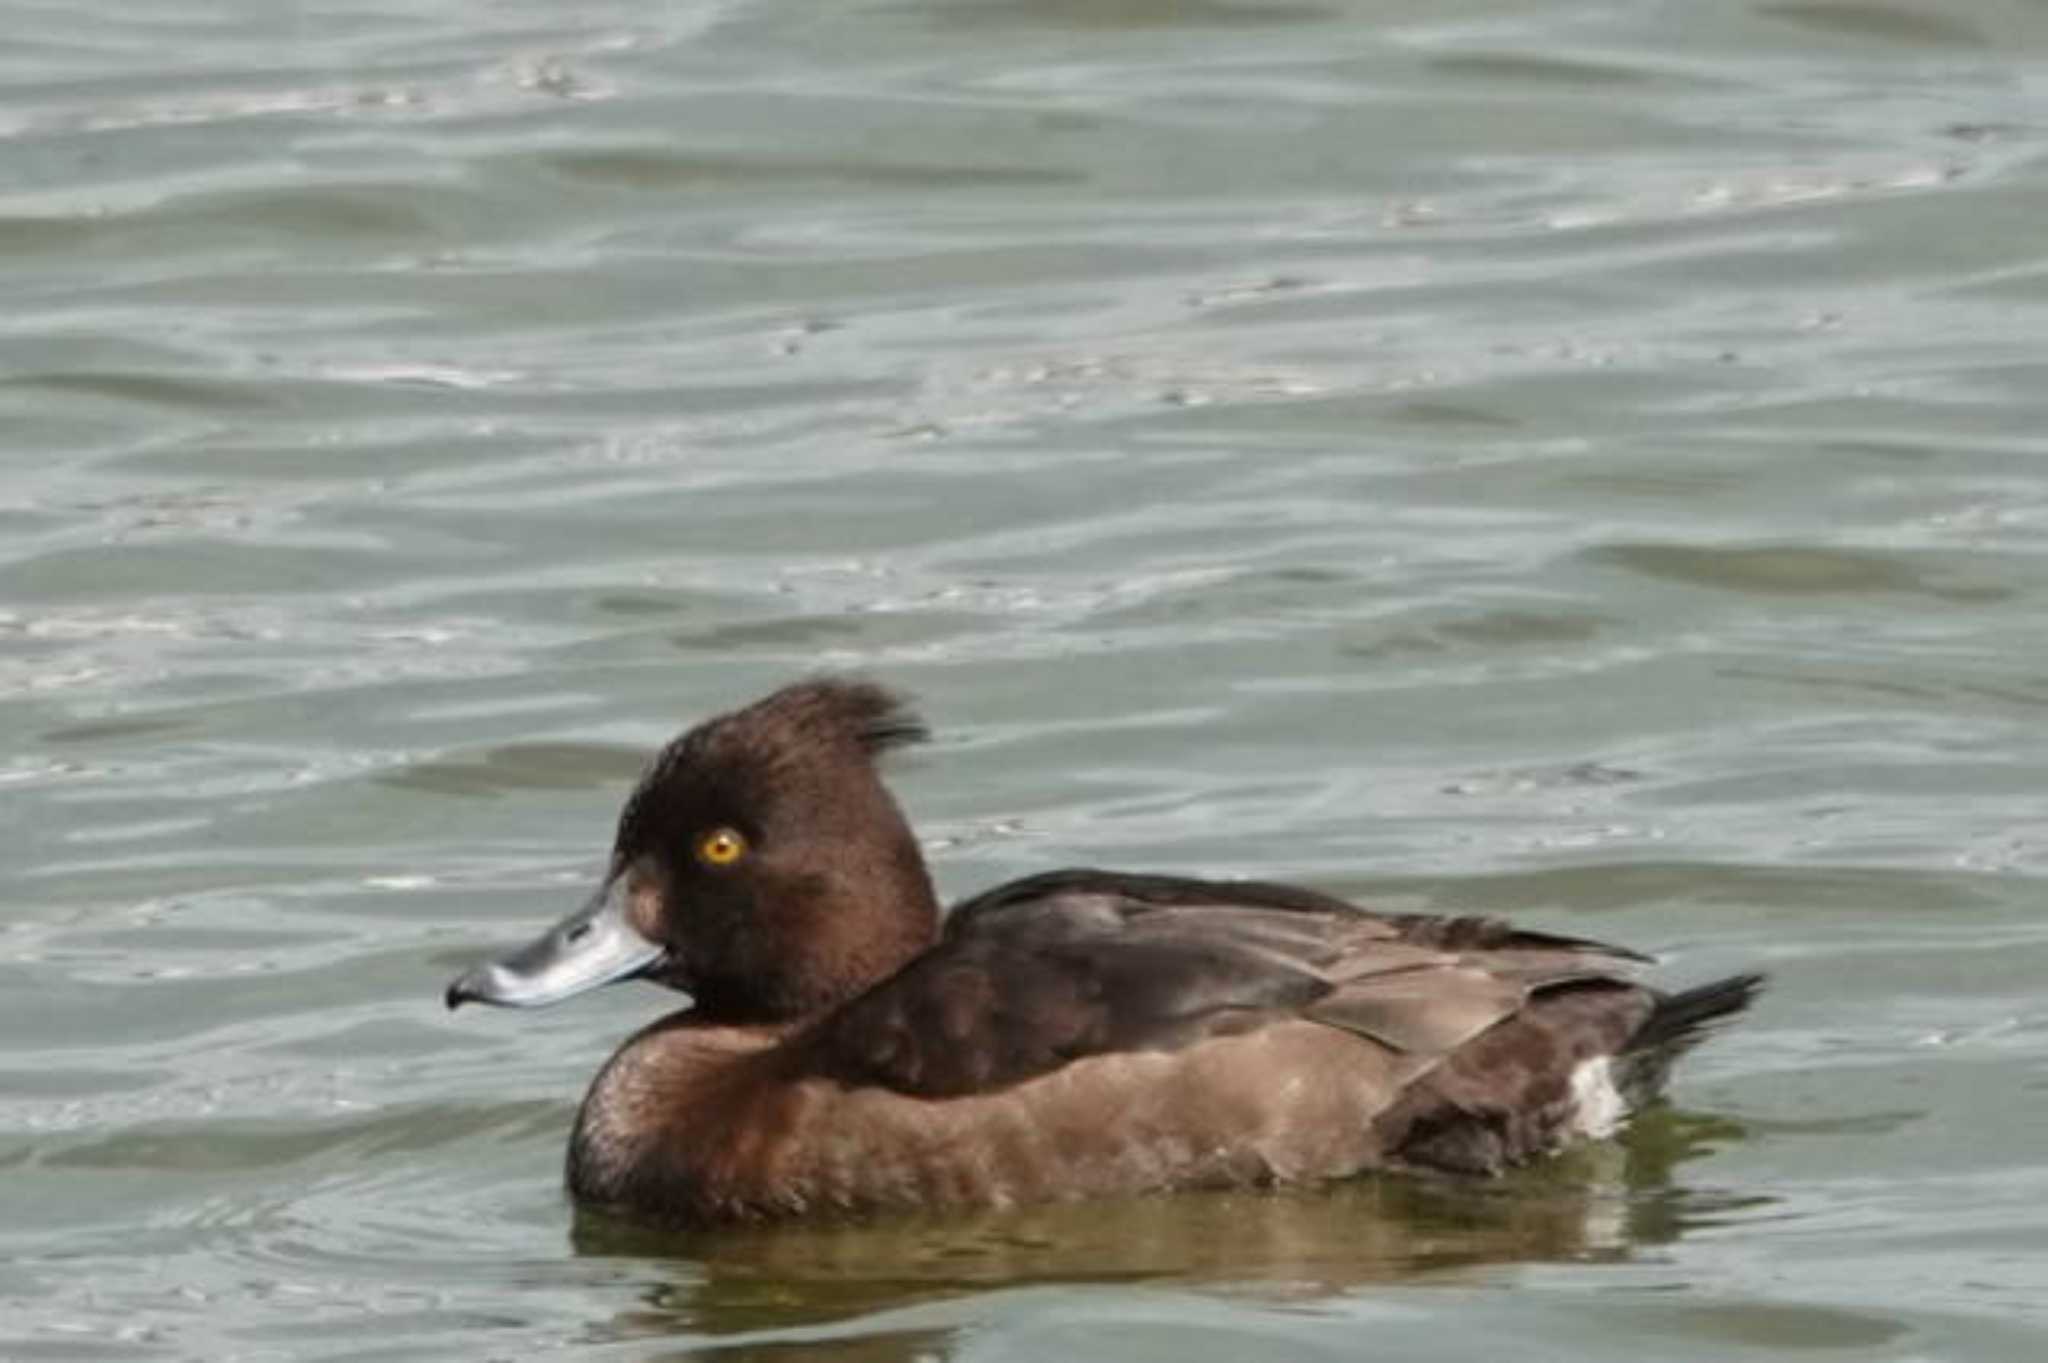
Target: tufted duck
[(1073, 1034)]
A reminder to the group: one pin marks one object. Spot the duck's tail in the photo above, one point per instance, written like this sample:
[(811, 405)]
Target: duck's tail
[(1678, 1023)]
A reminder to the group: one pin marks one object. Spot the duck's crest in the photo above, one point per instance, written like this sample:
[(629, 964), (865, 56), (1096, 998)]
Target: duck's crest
[(791, 744), (827, 708)]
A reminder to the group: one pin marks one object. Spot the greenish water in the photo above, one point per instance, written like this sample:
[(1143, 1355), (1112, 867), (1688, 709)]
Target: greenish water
[(1579, 461)]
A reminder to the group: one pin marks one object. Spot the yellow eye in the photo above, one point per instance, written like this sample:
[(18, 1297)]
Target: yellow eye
[(721, 847)]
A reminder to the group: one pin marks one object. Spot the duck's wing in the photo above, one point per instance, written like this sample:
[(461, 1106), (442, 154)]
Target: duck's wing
[(1041, 972)]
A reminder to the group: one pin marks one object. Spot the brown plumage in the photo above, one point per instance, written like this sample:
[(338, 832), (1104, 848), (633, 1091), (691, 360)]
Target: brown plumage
[(1073, 1034)]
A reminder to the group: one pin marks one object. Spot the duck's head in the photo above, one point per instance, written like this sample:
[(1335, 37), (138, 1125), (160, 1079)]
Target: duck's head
[(760, 866)]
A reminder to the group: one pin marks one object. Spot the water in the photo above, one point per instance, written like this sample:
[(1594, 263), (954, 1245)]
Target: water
[(1581, 461)]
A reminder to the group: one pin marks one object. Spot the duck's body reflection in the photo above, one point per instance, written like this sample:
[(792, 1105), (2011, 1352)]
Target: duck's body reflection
[(1604, 1201)]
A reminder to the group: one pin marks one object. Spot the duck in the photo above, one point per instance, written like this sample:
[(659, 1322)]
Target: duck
[(849, 1050)]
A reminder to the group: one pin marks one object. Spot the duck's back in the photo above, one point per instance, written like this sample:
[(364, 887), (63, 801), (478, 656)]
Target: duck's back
[(1083, 1033)]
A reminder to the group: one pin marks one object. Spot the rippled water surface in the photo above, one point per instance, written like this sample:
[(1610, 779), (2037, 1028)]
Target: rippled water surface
[(1583, 461)]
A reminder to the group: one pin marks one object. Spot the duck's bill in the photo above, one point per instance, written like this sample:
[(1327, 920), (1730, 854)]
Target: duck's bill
[(593, 946)]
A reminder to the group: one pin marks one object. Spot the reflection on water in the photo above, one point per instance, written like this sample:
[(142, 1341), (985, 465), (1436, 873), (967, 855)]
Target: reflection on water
[(1598, 1202)]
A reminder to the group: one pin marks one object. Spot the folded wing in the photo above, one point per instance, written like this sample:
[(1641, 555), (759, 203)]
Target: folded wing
[(1041, 972)]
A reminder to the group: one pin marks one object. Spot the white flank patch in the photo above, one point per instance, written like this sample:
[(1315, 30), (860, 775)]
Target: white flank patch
[(1597, 1105)]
